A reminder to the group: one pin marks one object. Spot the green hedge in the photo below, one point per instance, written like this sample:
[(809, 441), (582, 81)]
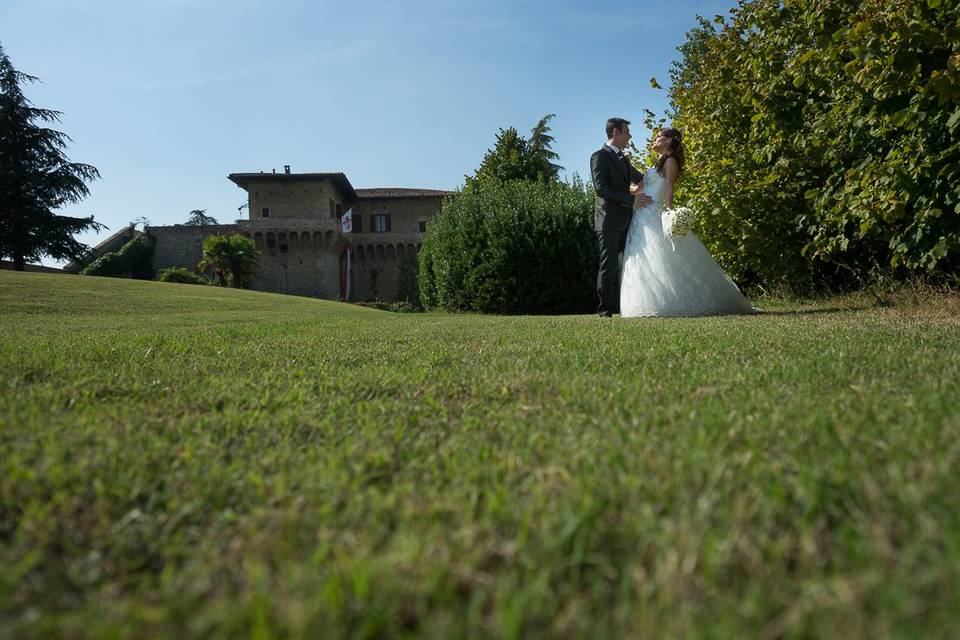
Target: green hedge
[(133, 260), (181, 275), (512, 247), (824, 138)]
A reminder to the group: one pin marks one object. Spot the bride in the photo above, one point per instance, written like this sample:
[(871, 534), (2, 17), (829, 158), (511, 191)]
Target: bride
[(671, 275)]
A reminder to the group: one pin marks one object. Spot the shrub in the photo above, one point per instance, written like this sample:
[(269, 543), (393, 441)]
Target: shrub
[(824, 138), (133, 260), (512, 247), (181, 275)]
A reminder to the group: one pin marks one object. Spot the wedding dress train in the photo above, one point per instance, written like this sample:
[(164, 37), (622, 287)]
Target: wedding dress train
[(671, 276)]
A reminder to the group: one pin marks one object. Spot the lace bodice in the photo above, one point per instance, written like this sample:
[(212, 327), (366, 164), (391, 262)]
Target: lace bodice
[(653, 186)]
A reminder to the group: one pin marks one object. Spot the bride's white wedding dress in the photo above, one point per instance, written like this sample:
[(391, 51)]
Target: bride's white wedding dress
[(671, 276)]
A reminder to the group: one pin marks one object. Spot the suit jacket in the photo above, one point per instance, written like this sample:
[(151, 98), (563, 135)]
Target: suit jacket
[(612, 178)]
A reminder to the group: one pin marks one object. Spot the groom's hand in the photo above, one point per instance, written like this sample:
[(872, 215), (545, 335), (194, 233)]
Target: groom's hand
[(640, 199)]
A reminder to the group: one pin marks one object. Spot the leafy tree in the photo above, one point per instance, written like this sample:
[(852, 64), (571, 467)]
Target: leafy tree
[(824, 137), (234, 258), (199, 218), (36, 178), (514, 157)]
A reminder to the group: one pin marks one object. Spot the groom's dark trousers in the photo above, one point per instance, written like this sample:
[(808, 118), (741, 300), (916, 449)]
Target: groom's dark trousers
[(612, 176)]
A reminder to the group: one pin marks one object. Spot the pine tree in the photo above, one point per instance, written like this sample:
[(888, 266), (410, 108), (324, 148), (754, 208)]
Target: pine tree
[(507, 160), (36, 178), (199, 218), (514, 157), (541, 155)]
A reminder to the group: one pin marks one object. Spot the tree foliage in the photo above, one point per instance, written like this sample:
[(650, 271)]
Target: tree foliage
[(514, 157), (822, 137), (232, 258), (199, 218), (132, 260), (520, 246), (36, 178)]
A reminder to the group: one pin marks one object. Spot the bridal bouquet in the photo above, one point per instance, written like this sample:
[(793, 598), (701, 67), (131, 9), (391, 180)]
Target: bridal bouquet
[(678, 221)]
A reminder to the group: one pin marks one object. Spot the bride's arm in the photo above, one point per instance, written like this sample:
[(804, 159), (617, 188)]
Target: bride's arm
[(670, 170)]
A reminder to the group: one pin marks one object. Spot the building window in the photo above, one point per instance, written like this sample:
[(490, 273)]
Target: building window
[(423, 226), (265, 212), (339, 209), (333, 210), (380, 222), (357, 223)]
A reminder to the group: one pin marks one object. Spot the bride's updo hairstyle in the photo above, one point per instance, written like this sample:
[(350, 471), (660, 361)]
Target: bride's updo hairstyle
[(675, 150)]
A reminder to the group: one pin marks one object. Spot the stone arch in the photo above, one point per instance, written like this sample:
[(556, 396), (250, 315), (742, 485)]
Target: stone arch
[(358, 252), (305, 240), (258, 240), (271, 240), (412, 249), (391, 252), (400, 251), (317, 241), (294, 241), (328, 239), (282, 237), (380, 253), (371, 253)]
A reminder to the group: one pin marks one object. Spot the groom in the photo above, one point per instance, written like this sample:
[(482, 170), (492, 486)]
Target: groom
[(616, 183)]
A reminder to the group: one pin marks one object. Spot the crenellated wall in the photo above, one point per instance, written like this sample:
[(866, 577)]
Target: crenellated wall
[(302, 247), (377, 260)]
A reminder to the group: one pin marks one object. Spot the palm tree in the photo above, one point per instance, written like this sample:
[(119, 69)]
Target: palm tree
[(235, 255)]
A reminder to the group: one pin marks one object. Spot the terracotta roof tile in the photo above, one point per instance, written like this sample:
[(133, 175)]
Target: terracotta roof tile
[(397, 192)]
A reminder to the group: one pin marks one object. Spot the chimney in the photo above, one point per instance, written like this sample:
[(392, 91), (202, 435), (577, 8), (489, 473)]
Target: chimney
[(274, 170), (286, 169)]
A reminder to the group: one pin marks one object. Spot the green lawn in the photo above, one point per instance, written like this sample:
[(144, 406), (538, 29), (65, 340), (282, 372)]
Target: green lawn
[(191, 461)]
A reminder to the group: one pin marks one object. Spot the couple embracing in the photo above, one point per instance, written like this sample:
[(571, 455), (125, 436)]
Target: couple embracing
[(661, 275)]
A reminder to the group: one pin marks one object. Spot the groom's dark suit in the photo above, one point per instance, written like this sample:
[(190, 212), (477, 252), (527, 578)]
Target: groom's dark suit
[(612, 176)]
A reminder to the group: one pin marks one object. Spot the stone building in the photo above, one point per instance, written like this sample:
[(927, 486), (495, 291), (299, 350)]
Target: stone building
[(294, 218)]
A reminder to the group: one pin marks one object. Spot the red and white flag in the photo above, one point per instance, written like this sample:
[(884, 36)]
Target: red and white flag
[(346, 221)]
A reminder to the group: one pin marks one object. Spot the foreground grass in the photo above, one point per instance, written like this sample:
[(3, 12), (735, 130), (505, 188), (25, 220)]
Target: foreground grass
[(182, 460)]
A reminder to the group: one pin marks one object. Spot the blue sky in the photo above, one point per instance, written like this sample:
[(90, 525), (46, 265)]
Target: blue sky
[(166, 97)]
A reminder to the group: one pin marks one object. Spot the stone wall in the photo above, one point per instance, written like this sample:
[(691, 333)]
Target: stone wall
[(406, 213), (300, 199), (301, 255), (182, 246), (301, 258), (378, 265)]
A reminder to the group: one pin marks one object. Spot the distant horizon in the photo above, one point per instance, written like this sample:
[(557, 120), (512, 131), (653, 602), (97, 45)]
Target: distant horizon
[(168, 97)]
